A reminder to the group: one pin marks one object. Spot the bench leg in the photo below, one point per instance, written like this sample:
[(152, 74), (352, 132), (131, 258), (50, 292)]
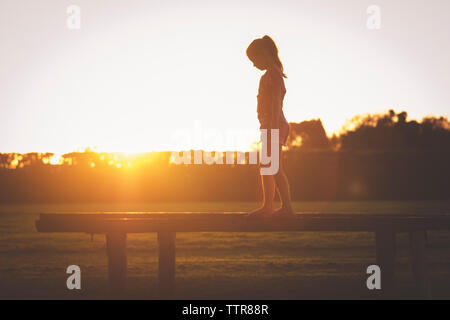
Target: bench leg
[(419, 263), (385, 248), (116, 247), (166, 272)]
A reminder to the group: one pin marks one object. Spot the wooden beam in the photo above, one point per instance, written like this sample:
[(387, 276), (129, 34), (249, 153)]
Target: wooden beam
[(385, 251), (116, 247), (419, 263), (236, 222), (166, 271)]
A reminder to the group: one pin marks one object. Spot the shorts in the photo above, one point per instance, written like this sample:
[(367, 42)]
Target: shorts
[(283, 134)]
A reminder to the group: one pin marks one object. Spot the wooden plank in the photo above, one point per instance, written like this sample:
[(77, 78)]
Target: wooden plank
[(235, 222), (166, 262), (117, 260), (193, 215), (225, 214), (419, 263), (385, 253)]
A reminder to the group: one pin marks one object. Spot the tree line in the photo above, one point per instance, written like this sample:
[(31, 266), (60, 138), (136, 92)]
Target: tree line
[(374, 157)]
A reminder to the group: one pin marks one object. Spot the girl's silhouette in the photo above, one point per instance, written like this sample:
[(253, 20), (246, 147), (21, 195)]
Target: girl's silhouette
[(264, 54)]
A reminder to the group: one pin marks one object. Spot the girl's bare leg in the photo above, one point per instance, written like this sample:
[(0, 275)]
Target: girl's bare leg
[(284, 192), (268, 185)]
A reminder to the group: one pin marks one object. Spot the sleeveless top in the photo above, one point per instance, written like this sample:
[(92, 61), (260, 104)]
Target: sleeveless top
[(271, 85)]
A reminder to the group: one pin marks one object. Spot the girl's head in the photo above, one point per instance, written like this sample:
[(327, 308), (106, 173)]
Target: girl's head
[(263, 52)]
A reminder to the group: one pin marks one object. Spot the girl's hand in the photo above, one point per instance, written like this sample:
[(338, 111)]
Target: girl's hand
[(275, 122)]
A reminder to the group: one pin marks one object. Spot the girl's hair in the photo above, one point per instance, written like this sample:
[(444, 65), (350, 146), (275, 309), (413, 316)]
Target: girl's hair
[(267, 45)]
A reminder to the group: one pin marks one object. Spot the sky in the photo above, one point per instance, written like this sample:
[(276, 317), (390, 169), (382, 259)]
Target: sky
[(142, 76)]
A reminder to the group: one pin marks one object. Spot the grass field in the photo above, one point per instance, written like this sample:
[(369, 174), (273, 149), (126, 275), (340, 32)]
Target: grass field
[(213, 265)]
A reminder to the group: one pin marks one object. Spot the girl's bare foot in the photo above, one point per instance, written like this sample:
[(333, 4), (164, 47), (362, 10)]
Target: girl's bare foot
[(284, 212), (261, 213)]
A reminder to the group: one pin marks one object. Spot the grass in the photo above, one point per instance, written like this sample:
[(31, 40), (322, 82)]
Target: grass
[(213, 265)]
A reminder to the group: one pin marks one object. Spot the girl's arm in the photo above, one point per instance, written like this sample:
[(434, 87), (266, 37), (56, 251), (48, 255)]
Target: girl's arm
[(275, 103)]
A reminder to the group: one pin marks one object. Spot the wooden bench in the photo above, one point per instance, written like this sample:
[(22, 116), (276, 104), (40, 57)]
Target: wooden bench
[(165, 224)]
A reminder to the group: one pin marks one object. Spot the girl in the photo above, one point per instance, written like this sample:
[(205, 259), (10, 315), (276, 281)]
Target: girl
[(264, 54)]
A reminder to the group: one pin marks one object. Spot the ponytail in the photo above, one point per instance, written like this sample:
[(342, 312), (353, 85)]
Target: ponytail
[(273, 52)]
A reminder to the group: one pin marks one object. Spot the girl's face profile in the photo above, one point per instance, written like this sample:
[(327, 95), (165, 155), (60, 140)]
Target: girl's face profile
[(259, 61)]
